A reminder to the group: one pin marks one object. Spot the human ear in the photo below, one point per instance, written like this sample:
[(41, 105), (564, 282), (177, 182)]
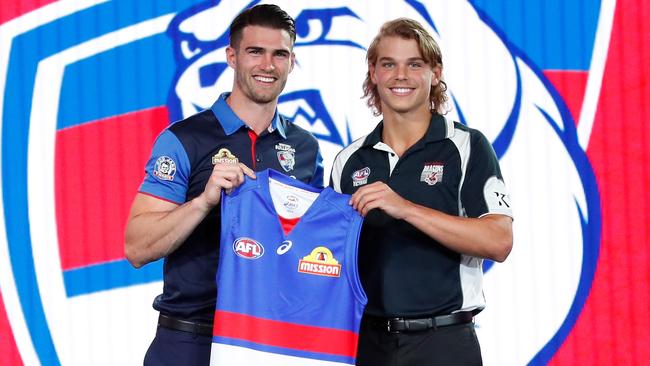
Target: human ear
[(231, 57)]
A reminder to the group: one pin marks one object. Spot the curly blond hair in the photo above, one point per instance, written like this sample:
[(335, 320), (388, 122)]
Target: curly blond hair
[(407, 29)]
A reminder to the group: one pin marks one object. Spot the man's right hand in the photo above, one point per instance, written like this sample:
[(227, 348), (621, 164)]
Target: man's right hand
[(224, 176)]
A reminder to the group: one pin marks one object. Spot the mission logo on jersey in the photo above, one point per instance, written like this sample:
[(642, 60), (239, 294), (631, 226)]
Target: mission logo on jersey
[(320, 262)]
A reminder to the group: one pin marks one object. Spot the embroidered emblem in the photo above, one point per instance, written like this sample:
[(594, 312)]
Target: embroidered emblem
[(320, 262), (360, 177), (224, 156), (432, 173), (248, 248), (291, 203), (165, 168), (286, 156)]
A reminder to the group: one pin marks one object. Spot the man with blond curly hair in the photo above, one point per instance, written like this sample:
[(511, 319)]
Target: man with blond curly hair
[(435, 205)]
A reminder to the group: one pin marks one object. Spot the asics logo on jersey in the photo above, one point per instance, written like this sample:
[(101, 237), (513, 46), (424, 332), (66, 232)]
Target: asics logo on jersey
[(284, 247)]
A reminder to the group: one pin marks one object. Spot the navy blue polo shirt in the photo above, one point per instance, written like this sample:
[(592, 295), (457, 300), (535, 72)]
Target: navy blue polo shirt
[(181, 162), (452, 169)]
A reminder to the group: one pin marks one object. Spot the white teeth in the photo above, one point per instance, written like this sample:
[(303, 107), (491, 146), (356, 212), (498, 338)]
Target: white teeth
[(264, 79), (401, 90)]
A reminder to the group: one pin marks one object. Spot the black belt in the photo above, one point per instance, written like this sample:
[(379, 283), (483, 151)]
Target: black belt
[(402, 325), (184, 325)]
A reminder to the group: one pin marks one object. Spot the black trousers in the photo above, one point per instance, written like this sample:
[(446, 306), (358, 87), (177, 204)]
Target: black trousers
[(173, 348), (455, 345)]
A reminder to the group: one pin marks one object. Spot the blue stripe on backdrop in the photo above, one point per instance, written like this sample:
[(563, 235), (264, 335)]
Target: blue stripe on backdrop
[(133, 77), (109, 275), (560, 40)]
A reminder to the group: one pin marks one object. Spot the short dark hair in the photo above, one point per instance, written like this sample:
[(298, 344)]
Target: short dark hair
[(264, 15)]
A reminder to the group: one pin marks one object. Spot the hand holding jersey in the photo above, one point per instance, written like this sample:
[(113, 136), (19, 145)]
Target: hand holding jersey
[(379, 195), (226, 177)]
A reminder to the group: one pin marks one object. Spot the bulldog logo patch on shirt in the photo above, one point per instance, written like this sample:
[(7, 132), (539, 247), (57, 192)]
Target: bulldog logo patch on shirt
[(286, 156)]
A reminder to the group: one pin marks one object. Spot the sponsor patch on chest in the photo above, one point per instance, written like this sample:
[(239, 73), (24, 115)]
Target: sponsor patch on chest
[(320, 262), (224, 156), (360, 177), (432, 173)]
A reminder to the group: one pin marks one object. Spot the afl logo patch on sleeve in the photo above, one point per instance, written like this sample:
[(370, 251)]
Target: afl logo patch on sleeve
[(165, 168)]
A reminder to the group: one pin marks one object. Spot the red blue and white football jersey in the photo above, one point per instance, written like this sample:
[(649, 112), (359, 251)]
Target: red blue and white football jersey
[(287, 298)]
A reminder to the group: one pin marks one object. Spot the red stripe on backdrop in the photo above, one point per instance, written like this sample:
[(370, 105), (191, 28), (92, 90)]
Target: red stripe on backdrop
[(8, 349), (571, 86), (99, 167), (293, 336), (613, 327), (12, 9)]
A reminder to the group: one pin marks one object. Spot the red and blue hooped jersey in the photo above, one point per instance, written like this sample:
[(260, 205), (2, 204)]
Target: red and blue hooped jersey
[(287, 299)]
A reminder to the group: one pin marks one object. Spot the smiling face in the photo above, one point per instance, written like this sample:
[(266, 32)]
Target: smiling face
[(402, 76), (262, 62)]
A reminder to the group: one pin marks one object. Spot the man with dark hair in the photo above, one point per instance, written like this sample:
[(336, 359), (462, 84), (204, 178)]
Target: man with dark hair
[(176, 213), (434, 203)]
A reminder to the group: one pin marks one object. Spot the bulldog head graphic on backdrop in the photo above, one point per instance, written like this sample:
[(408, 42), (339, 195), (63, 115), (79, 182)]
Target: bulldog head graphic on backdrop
[(493, 88)]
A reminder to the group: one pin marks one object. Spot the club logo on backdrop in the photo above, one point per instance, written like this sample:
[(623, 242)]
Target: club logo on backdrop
[(322, 103)]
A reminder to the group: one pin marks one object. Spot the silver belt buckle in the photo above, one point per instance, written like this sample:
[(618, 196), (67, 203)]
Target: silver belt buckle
[(388, 325)]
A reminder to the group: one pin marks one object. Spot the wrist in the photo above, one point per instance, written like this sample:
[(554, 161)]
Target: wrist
[(202, 204), (409, 211)]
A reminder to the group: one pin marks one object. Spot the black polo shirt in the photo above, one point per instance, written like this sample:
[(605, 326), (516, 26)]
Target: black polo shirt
[(452, 169), (181, 163)]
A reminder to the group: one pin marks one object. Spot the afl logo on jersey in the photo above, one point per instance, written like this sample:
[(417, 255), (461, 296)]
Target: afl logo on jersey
[(248, 248)]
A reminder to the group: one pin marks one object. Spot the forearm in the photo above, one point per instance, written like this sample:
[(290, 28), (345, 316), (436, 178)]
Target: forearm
[(153, 235), (487, 237)]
